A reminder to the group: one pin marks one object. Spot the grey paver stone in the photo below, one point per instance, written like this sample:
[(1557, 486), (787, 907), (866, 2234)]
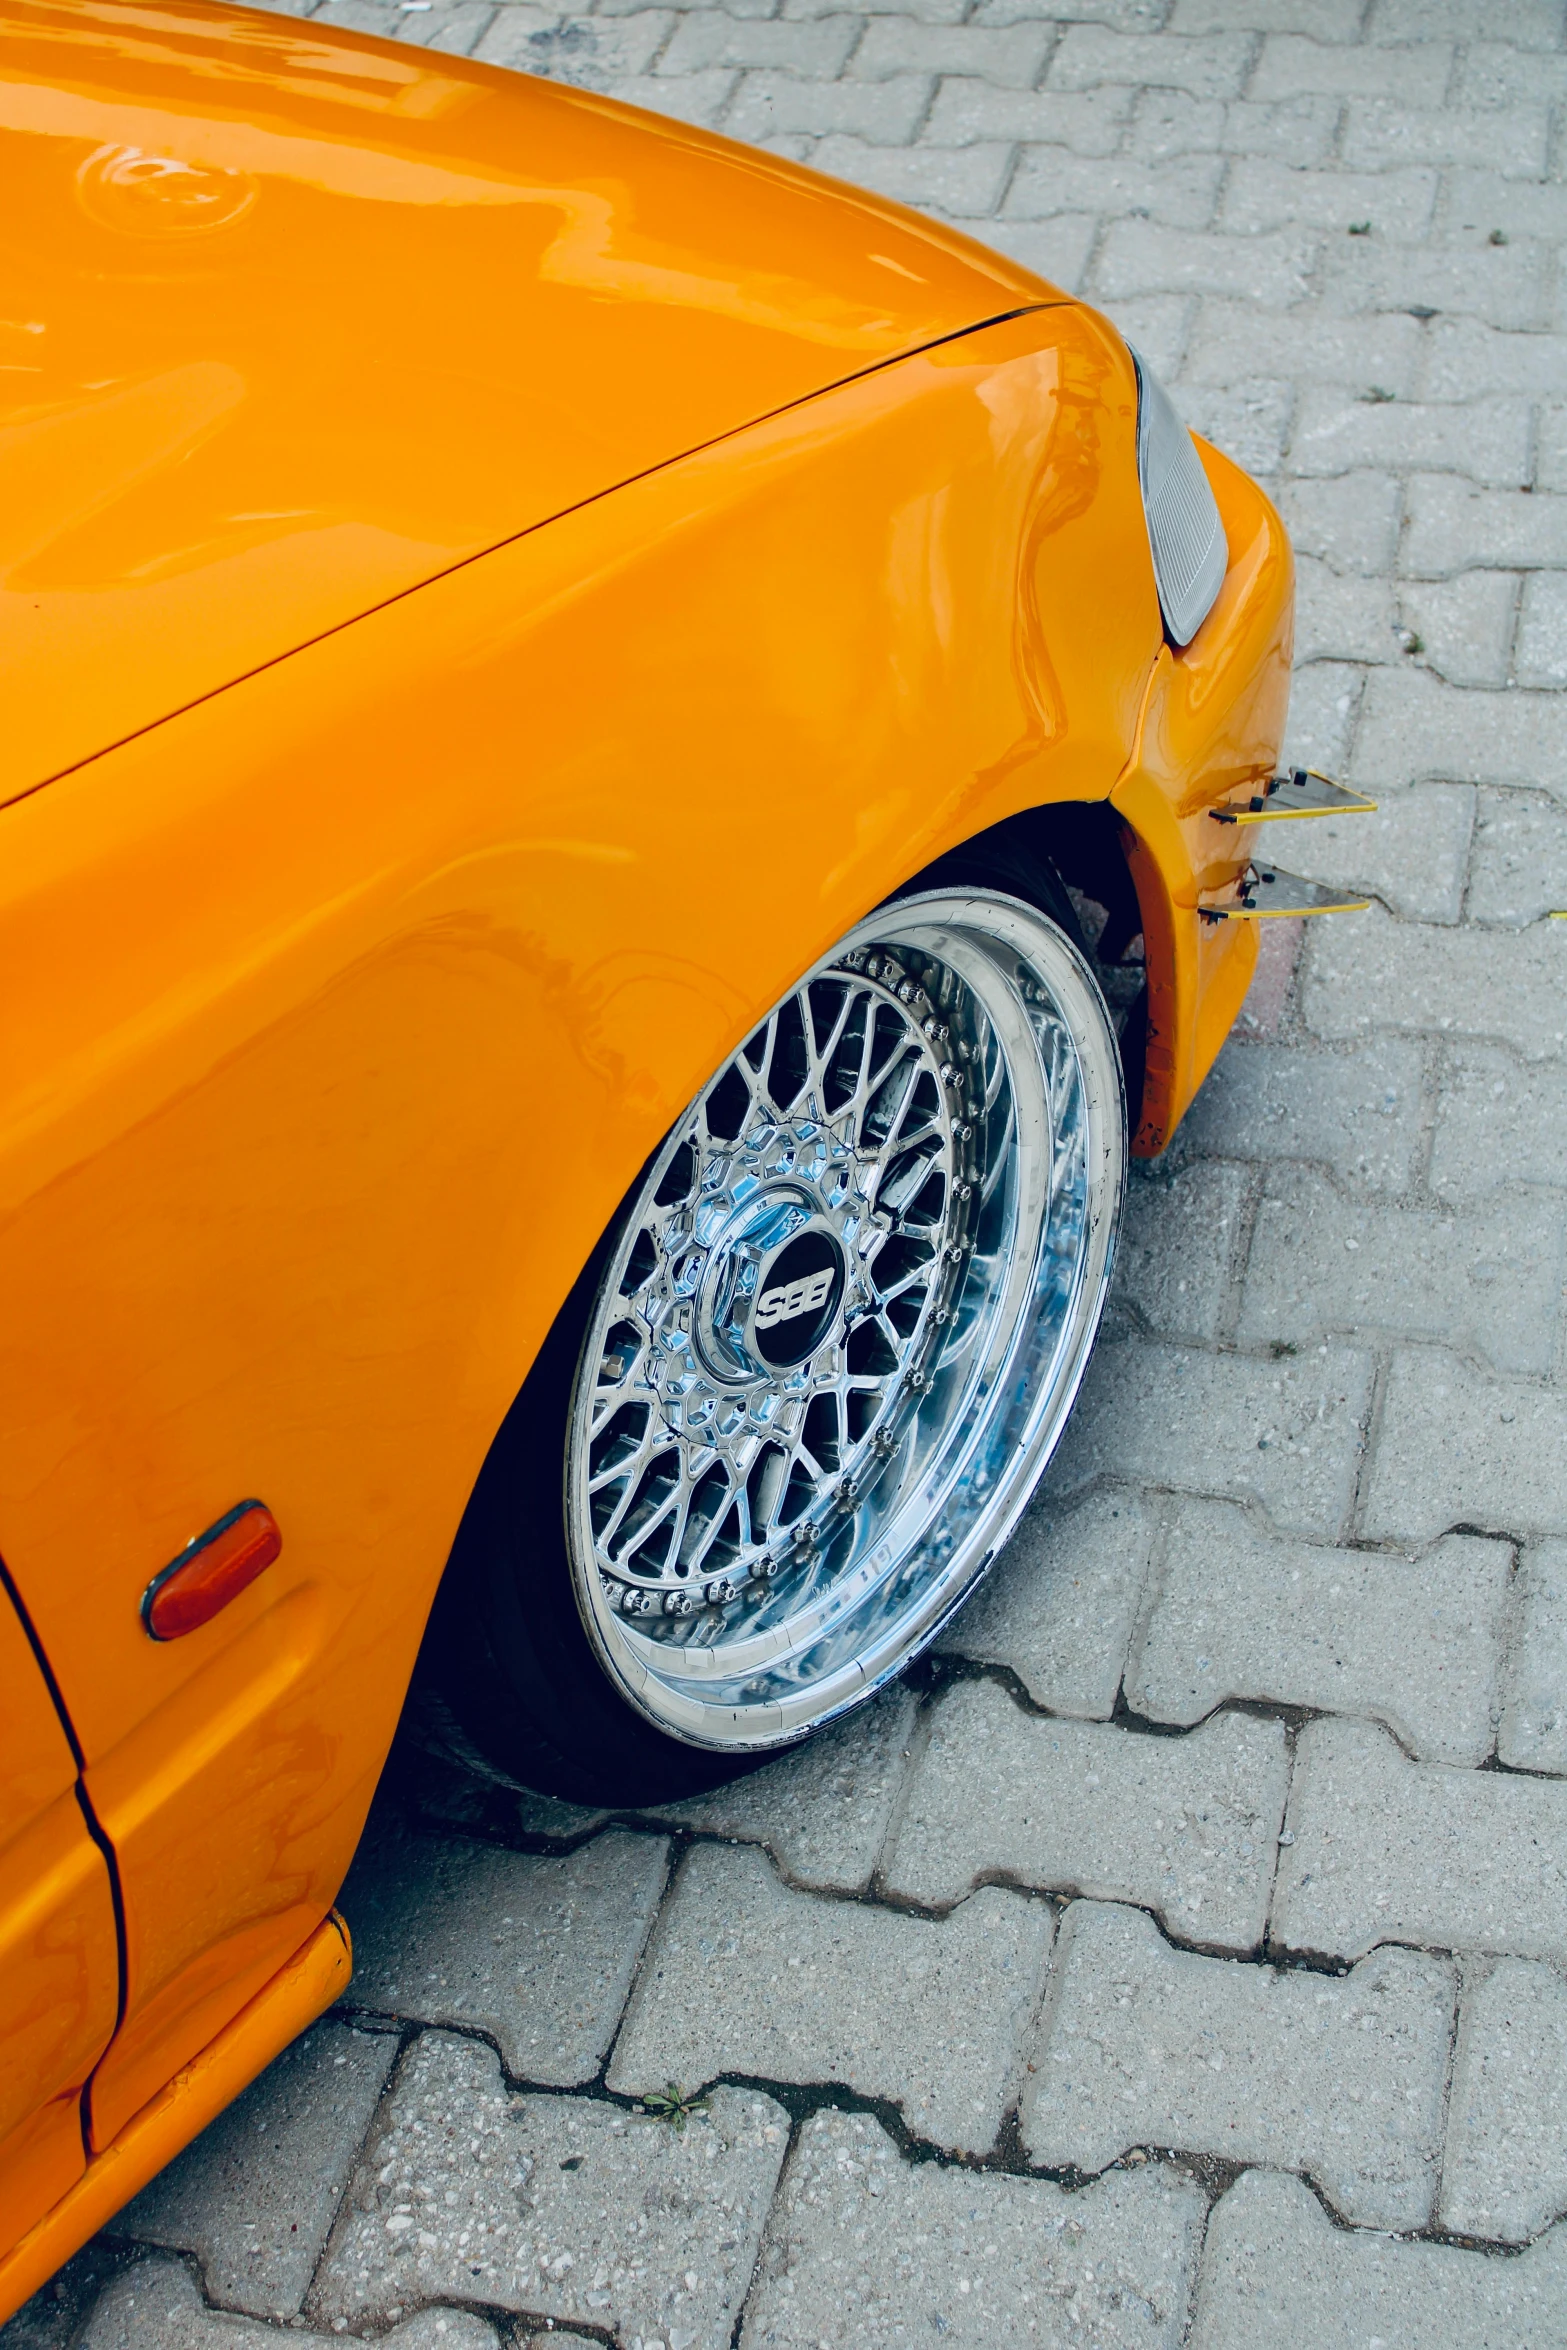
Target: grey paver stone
[(589, 51), (254, 2196), (1309, 344), (1519, 870), (1465, 625), (821, 1811), (1124, 15), (1272, 988), (1468, 360), (537, 1952), (1484, 1279), (157, 2306), (1210, 66), (917, 11), (1248, 421), (453, 30), (1172, 122), (1412, 853), (1331, 20), (1058, 1607), (1157, 325), (549, 1816), (689, 97), (818, 48), (564, 2208), (1505, 2173), (1460, 1446), (1531, 24), (1325, 698), (1550, 462), (791, 146), (1351, 519), (1453, 523), (868, 2252), (1496, 73), (1506, 285), (1179, 1244), (1084, 122), (1389, 1850), (744, 1976), (1499, 1120), (1533, 1734), (1239, 1612), (1285, 1433), (1005, 57), (1265, 193), (1341, 617), (1148, 257), (1186, 1827), (1053, 179), (887, 111), (1542, 630), (1416, 72), (965, 181), (1506, 986), (1512, 141), (1304, 127), (1056, 250), (1476, 202), (1335, 433), (1278, 2274), (1340, 2077)]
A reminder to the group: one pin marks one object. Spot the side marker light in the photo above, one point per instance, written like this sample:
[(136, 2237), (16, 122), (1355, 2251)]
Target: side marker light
[(211, 1571)]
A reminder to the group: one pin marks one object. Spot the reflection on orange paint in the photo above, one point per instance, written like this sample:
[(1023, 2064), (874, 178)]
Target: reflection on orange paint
[(58, 1961), (1212, 724), (302, 325), (405, 867)]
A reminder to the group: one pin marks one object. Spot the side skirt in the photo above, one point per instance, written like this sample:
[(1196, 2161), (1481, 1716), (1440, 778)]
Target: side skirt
[(279, 2012)]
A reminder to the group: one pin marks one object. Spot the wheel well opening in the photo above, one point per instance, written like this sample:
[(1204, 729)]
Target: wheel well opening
[(1082, 844)]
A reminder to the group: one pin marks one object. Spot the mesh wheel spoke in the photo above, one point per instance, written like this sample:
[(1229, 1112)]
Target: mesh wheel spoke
[(822, 1265)]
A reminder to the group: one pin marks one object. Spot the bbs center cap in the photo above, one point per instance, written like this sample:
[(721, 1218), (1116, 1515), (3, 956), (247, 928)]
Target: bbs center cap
[(772, 1289), (798, 1292)]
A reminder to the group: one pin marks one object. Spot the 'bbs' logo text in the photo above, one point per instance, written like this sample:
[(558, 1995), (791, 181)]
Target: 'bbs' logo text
[(793, 1299)]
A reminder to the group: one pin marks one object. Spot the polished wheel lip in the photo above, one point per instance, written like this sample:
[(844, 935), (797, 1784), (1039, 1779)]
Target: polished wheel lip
[(682, 1690)]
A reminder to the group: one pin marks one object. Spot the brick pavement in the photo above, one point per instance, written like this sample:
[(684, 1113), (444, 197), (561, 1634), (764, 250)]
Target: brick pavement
[(1183, 1957)]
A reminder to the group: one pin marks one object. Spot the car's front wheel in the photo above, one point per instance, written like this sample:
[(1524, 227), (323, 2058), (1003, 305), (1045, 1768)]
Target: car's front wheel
[(798, 1402)]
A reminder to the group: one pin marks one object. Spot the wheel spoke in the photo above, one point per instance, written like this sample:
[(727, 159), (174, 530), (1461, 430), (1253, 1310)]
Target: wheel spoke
[(760, 1414)]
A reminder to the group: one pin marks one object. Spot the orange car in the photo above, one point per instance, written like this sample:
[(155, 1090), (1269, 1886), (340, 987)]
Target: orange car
[(625, 775)]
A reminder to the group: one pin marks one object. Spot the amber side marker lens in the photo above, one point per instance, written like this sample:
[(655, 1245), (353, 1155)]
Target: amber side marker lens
[(211, 1571)]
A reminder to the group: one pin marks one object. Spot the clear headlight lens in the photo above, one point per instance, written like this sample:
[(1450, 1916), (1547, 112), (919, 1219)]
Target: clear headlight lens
[(1190, 555)]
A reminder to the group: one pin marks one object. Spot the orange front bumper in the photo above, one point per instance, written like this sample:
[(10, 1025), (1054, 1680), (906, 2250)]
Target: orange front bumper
[(1212, 722)]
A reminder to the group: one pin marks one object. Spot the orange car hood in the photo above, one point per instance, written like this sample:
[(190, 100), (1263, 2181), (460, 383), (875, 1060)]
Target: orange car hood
[(297, 319)]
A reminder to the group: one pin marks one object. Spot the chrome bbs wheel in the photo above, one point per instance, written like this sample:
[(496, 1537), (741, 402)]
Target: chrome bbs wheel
[(844, 1322)]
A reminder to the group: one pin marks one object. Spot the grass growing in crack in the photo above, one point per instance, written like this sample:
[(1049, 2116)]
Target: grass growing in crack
[(671, 2104)]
